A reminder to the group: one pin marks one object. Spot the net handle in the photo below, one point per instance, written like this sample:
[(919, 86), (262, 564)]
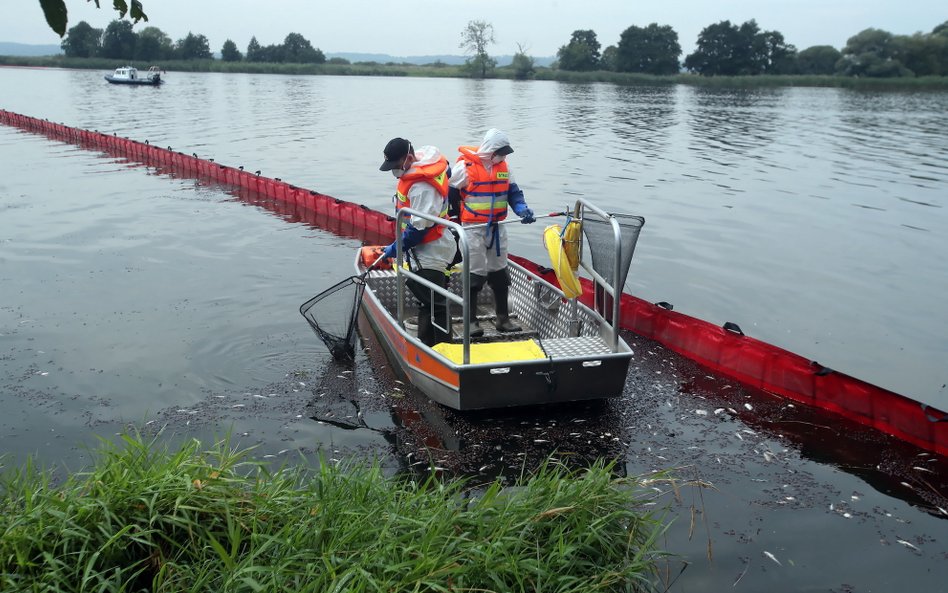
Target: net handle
[(481, 225)]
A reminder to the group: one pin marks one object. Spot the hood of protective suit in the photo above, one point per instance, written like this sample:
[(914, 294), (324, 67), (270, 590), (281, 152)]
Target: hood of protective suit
[(494, 140), (427, 155)]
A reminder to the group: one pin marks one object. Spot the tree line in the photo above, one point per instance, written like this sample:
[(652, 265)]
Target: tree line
[(118, 41), (727, 49), (722, 49)]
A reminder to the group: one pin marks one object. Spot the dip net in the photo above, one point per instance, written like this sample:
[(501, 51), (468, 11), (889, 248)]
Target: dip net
[(600, 238), (333, 314)]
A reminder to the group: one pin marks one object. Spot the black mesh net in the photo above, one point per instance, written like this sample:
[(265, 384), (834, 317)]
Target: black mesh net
[(600, 239), (333, 313)]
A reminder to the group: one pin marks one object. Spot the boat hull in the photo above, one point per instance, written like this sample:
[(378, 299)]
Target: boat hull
[(565, 376), (136, 82)]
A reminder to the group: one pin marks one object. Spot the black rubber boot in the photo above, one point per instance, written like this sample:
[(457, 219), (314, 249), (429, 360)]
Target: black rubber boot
[(477, 283), (499, 282), (428, 333), (476, 330)]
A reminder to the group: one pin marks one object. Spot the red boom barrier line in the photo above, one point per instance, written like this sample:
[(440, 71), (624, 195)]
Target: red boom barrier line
[(775, 370), (732, 354)]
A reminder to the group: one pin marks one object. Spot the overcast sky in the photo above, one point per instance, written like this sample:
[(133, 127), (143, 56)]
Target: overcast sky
[(434, 28)]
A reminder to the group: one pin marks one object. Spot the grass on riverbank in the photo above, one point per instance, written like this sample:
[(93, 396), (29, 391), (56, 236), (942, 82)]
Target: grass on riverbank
[(149, 519), (449, 71)]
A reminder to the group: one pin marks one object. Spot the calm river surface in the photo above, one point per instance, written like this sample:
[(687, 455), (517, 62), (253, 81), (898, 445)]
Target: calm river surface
[(813, 218)]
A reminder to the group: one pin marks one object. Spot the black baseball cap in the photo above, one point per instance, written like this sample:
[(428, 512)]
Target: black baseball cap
[(395, 152), (503, 150)]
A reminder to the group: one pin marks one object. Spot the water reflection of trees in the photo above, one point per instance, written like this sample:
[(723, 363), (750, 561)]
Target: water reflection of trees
[(576, 111), (642, 117), (477, 106), (887, 133), (729, 122)]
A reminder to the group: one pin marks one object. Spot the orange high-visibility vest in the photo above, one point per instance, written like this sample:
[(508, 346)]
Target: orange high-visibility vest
[(435, 174), (485, 197)]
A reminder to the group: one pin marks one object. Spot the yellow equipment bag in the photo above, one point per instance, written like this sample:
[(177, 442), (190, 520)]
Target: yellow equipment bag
[(571, 238), (553, 241)]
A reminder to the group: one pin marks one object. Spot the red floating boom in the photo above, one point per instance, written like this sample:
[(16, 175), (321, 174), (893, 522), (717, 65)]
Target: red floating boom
[(723, 349)]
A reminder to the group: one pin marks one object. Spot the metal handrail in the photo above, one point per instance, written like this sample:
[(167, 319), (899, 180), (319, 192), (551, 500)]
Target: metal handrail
[(403, 273), (582, 204)]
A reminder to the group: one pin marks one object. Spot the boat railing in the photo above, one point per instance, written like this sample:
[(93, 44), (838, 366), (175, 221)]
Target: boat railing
[(607, 266), (464, 299)]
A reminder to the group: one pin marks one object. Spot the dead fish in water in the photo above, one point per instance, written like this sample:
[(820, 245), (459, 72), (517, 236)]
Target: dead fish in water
[(907, 544), (772, 557)]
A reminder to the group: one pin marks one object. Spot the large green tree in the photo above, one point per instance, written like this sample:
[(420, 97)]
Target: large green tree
[(118, 41), (82, 41), (925, 54), (57, 16), (475, 38), (777, 56), (581, 53), (730, 50), (153, 44), (230, 53), (818, 59), (653, 50), (871, 53), (193, 47), (298, 49), (253, 50)]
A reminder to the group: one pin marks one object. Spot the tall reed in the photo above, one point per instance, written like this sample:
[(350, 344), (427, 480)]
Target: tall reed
[(145, 518)]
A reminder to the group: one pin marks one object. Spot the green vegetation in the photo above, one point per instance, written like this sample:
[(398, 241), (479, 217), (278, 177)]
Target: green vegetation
[(440, 70), (149, 519)]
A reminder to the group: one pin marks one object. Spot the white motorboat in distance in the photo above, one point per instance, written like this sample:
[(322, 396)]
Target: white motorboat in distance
[(131, 75)]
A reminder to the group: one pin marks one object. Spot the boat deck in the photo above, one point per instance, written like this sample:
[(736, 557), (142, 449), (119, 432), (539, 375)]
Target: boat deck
[(563, 329)]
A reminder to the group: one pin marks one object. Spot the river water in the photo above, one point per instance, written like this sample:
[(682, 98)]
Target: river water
[(813, 218)]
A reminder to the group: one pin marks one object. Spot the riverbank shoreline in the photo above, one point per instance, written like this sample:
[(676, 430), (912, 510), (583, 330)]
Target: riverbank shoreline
[(439, 70)]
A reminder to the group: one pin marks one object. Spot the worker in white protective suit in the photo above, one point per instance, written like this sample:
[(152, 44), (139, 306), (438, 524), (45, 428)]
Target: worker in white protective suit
[(482, 188), (423, 186)]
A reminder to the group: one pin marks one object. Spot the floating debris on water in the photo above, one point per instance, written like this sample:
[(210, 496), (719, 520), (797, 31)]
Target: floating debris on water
[(907, 544)]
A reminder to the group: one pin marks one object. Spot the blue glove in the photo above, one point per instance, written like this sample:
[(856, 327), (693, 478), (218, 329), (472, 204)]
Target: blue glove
[(389, 251), (526, 216)]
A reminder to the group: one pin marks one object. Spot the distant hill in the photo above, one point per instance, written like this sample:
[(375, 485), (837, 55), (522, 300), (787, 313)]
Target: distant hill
[(23, 49)]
